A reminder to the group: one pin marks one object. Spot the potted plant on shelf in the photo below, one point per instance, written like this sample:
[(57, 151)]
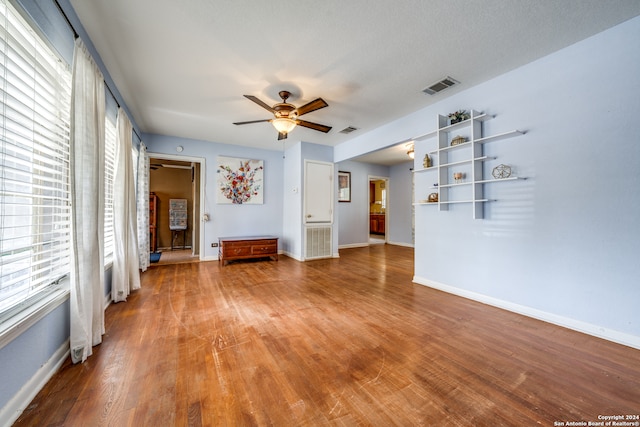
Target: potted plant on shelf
[(459, 116)]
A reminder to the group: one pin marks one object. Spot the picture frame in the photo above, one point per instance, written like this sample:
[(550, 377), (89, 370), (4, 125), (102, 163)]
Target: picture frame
[(240, 181), (344, 186)]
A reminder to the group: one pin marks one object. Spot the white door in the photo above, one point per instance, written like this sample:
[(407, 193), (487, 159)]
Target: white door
[(318, 192)]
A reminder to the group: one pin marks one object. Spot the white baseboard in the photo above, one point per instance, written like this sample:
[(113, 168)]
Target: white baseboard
[(18, 403), (290, 255), (353, 245), (566, 322), (407, 245), (107, 300), (363, 245)]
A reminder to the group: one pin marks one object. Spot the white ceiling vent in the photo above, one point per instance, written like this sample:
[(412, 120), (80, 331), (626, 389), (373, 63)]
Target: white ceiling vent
[(348, 129), (440, 86)]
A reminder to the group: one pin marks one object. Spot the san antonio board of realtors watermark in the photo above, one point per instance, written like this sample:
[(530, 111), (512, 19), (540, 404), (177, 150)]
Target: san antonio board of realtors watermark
[(630, 420)]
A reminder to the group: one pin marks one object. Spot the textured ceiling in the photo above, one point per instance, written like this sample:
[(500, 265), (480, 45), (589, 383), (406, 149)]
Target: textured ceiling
[(183, 66)]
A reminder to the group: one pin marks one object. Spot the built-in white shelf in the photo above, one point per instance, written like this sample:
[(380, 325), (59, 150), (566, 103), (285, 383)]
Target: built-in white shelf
[(470, 163), (500, 136), (462, 162), (431, 169), (451, 202)]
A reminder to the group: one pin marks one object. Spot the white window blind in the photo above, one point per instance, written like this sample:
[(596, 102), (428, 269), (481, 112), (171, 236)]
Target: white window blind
[(35, 92), (109, 171)]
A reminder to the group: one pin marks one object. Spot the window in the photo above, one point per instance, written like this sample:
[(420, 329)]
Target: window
[(35, 93), (109, 172)]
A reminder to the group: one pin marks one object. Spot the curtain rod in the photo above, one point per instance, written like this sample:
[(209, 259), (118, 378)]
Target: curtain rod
[(75, 36)]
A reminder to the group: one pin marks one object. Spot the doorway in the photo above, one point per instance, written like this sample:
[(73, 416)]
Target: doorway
[(378, 209), (171, 178)]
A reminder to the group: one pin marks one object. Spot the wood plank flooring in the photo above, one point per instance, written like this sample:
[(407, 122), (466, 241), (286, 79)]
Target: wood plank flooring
[(340, 342)]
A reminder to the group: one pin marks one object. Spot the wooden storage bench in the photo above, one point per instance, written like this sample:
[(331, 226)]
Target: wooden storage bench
[(232, 248)]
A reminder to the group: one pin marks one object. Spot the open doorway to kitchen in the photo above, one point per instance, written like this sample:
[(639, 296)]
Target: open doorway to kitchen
[(378, 209)]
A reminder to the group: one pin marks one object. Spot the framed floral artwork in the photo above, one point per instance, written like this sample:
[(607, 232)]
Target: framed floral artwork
[(240, 181)]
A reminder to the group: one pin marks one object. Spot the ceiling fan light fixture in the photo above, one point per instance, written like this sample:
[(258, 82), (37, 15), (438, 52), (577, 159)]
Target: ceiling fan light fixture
[(286, 115), (283, 124)]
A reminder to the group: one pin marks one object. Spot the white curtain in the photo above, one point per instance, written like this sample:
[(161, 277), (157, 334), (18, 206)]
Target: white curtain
[(126, 274), (87, 194), (143, 207)]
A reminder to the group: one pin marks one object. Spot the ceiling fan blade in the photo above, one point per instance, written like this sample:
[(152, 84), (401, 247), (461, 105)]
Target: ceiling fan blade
[(259, 102), (252, 121), (314, 105), (281, 136), (314, 126)]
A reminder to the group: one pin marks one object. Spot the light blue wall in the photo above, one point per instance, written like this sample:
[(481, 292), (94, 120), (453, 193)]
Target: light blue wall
[(231, 220), (22, 357), (353, 217), (292, 198), (401, 203), (563, 244), (280, 215)]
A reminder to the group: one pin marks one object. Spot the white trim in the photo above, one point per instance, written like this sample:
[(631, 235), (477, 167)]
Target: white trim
[(353, 245), (576, 325), (293, 256), (24, 319), (406, 245), (387, 209), (107, 301), (364, 245), (19, 402)]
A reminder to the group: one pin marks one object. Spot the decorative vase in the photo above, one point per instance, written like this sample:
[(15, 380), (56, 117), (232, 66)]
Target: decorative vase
[(426, 163)]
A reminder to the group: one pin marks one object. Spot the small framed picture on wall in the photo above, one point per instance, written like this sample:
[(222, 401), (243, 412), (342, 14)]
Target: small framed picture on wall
[(344, 186)]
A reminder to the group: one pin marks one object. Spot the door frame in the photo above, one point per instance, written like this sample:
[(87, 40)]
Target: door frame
[(387, 209), (199, 214)]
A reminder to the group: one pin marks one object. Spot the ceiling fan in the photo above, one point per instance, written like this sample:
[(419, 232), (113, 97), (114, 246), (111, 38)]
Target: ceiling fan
[(286, 115)]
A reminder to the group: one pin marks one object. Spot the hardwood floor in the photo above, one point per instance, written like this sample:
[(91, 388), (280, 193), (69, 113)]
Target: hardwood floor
[(175, 257), (348, 341)]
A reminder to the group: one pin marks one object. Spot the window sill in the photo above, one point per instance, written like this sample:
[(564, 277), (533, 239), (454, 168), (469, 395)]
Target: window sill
[(12, 327)]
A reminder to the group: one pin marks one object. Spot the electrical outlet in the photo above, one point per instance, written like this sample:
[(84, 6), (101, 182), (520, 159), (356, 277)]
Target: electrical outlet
[(214, 245)]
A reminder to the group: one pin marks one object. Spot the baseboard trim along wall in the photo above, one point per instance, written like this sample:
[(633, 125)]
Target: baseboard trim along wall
[(291, 255), (576, 325), (18, 403), (364, 245), (406, 245), (353, 245)]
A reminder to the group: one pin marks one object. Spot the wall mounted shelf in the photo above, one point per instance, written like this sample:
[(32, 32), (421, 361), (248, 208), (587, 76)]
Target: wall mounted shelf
[(468, 156)]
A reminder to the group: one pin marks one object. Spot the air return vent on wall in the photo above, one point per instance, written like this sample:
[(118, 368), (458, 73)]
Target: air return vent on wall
[(440, 86), (318, 242)]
